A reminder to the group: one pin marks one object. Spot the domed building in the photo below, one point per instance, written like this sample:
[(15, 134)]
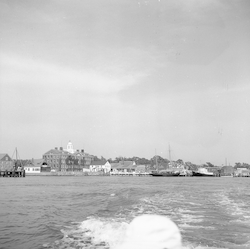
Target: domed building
[(70, 148), (67, 159)]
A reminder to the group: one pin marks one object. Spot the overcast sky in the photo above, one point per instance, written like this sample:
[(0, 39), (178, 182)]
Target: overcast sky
[(126, 78)]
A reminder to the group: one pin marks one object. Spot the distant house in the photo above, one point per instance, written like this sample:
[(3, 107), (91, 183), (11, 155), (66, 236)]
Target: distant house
[(242, 172), (36, 166), (123, 166), (140, 169), (215, 170), (227, 170), (97, 166), (6, 163)]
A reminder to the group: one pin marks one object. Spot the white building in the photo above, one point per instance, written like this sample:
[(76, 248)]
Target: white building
[(33, 166), (97, 166)]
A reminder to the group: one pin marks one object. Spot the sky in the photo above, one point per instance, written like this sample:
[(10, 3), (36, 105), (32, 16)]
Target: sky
[(126, 78)]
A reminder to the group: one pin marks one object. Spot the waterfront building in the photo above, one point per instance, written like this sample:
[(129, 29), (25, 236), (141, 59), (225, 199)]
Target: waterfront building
[(85, 157), (123, 166), (141, 169), (79, 161), (35, 166), (242, 172), (67, 159), (227, 171), (6, 162), (215, 170), (97, 166), (56, 159)]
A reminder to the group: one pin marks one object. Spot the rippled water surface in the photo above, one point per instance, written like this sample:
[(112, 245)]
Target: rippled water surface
[(94, 212)]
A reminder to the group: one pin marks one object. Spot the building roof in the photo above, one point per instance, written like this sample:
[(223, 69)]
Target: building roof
[(34, 163), (242, 170), (123, 165), (126, 163), (57, 151), (141, 166), (2, 155), (98, 163)]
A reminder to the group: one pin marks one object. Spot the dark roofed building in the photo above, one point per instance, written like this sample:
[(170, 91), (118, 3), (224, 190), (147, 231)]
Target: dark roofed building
[(56, 159), (61, 160), (36, 166), (227, 170), (124, 166), (6, 163)]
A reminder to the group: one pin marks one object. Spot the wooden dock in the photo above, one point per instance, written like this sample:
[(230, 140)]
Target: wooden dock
[(129, 174), (12, 173)]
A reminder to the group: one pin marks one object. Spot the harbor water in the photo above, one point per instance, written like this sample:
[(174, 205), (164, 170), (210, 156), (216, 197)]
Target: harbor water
[(94, 212)]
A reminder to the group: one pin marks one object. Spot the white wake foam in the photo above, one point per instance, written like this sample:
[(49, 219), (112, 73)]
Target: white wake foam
[(99, 233)]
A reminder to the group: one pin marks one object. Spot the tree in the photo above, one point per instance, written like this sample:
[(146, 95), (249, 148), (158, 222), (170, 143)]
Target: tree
[(209, 164), (237, 165), (180, 161)]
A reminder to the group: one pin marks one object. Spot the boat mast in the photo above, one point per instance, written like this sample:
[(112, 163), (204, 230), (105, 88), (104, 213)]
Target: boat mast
[(169, 153), (156, 162)]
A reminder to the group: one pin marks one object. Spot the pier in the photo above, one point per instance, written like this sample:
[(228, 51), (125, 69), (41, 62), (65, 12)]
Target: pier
[(12, 173), (129, 174)]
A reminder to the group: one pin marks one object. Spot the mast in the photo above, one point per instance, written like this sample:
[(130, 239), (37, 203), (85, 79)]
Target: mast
[(169, 153), (16, 158), (156, 162)]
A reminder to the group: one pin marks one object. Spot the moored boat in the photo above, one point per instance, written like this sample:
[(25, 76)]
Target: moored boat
[(202, 172), (165, 174)]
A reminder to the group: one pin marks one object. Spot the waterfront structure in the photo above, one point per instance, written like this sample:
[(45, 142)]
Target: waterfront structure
[(67, 159), (10, 167), (97, 166), (85, 157), (227, 171), (6, 162), (35, 166), (242, 172), (78, 161), (123, 166), (141, 169), (56, 159)]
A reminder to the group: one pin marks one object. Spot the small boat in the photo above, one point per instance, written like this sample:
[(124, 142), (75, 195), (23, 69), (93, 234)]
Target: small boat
[(202, 172)]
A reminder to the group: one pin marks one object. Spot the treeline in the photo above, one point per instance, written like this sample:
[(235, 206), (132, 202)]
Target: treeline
[(242, 165), (137, 160), (163, 161)]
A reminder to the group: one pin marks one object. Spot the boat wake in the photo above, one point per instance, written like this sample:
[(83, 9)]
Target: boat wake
[(196, 220), (98, 233)]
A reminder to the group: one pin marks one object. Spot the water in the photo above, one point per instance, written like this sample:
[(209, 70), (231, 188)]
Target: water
[(94, 212)]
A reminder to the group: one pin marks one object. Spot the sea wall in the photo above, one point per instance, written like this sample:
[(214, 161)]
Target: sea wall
[(68, 174)]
